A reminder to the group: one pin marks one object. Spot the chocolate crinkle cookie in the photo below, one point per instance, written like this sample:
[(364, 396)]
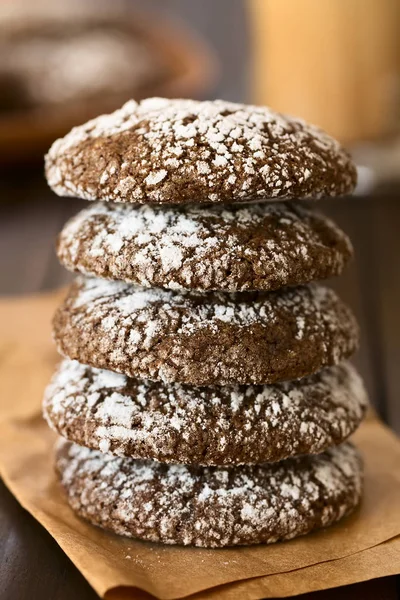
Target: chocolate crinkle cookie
[(256, 247), (183, 151), (204, 338), (217, 425), (211, 506)]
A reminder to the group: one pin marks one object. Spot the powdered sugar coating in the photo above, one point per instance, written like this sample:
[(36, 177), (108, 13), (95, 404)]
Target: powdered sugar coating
[(183, 151), (206, 426), (211, 507), (257, 247), (204, 338)]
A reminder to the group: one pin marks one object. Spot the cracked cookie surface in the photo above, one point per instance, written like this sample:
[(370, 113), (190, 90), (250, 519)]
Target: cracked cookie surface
[(211, 506), (219, 425), (237, 248), (204, 338), (185, 151)]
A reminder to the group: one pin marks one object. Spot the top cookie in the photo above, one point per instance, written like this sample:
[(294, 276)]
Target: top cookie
[(184, 151)]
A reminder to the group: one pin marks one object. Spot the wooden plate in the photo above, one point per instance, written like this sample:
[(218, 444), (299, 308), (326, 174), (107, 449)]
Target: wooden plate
[(189, 69)]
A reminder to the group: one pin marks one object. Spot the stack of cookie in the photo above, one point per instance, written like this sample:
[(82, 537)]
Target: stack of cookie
[(205, 396)]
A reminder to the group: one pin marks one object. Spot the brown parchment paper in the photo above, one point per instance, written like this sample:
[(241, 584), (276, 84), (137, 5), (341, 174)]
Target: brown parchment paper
[(354, 550)]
